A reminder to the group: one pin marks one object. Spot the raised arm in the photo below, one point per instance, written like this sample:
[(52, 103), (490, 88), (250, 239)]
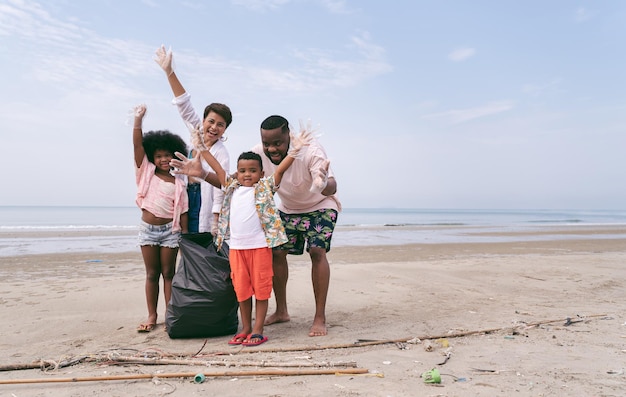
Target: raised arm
[(296, 150), (182, 99), (139, 151), (219, 171), (164, 59)]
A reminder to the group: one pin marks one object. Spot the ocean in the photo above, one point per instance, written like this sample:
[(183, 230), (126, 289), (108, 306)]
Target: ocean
[(40, 229)]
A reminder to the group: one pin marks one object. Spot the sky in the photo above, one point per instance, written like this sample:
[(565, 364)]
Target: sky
[(419, 104)]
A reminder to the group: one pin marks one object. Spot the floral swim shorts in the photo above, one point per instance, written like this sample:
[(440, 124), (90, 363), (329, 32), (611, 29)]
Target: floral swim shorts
[(315, 228)]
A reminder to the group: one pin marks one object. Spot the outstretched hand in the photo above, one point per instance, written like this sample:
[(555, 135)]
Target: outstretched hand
[(320, 178), (298, 142), (189, 167), (164, 59)]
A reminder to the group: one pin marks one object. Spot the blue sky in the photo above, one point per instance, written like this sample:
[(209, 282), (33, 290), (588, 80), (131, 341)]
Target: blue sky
[(422, 104)]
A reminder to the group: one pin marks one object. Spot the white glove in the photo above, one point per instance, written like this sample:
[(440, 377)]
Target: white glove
[(188, 167), (197, 140), (140, 110), (164, 59), (297, 143), (320, 178), (137, 112), (197, 137)]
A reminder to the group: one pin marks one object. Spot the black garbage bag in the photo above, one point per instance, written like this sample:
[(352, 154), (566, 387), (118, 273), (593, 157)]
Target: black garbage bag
[(203, 302)]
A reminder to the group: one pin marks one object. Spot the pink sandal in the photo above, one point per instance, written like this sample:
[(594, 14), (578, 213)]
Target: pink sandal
[(239, 339), (260, 339)]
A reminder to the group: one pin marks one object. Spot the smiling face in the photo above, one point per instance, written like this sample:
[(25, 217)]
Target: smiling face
[(249, 172), (275, 144), (213, 128), (162, 160)]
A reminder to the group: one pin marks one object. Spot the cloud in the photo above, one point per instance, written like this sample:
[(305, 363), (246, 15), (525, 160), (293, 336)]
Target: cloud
[(336, 6), (582, 14), (461, 54), (319, 69), (150, 3), (541, 89), (112, 66), (332, 6), (55, 59), (30, 21), (304, 71), (260, 5), (194, 5), (456, 116)]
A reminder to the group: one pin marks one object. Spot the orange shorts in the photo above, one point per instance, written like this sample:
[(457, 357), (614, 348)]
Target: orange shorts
[(252, 272)]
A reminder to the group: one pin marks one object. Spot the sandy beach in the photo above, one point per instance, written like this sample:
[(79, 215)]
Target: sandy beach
[(525, 318)]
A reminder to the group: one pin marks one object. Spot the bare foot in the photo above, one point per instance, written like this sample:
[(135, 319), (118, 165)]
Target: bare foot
[(318, 328), (148, 325), (145, 327), (277, 318)]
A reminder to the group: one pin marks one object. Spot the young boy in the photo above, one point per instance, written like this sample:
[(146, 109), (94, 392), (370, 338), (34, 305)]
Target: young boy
[(250, 216)]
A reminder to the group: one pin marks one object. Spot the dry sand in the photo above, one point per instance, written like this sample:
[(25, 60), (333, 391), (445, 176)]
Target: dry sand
[(492, 318)]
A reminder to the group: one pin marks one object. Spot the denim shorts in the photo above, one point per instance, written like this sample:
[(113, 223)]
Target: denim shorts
[(160, 235)]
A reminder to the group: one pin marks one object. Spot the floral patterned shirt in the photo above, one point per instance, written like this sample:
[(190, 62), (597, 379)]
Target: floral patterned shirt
[(265, 208)]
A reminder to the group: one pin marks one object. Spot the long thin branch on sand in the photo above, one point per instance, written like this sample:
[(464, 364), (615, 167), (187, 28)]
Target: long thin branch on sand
[(277, 372)]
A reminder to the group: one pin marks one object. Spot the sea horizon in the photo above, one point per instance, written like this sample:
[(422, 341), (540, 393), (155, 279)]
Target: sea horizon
[(111, 217), (28, 230)]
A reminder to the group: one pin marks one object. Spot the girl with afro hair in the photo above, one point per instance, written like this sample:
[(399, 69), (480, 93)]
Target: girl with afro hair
[(162, 198)]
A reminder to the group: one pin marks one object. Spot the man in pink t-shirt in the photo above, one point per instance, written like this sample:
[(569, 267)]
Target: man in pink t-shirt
[(308, 207)]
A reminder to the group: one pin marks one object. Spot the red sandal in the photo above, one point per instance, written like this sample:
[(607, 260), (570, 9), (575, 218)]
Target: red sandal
[(239, 339), (260, 339)]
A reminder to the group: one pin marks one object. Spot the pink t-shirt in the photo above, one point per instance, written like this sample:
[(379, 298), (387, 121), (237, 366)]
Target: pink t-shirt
[(295, 196), (161, 198)]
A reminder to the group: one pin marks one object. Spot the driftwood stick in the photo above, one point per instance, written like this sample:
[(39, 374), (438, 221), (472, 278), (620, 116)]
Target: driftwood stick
[(165, 361), (276, 372), (13, 367), (423, 337), (38, 364), (42, 364)]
